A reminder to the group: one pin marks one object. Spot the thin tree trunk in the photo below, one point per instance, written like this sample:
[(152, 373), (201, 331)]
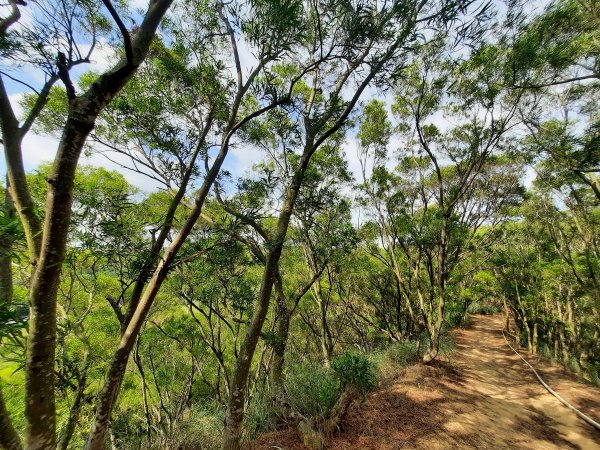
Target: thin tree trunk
[(118, 365), (326, 340), (17, 181), (144, 387), (74, 414), (283, 326), (232, 433), (6, 243)]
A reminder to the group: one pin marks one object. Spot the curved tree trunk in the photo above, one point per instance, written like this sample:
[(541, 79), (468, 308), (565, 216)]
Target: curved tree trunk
[(232, 434)]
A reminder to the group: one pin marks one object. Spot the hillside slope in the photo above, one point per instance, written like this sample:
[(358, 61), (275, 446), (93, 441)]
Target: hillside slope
[(486, 398)]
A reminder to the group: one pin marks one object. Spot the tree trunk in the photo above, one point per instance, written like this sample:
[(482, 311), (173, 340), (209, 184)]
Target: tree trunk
[(74, 413), (6, 243), (47, 249), (534, 338), (17, 181), (41, 343), (434, 330), (232, 434), (283, 327), (326, 340)]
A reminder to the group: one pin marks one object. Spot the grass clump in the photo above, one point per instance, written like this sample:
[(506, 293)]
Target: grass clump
[(402, 354), (312, 389), (391, 360), (200, 429), (260, 417), (447, 344)]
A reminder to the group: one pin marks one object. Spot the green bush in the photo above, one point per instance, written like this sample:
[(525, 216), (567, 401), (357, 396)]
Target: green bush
[(200, 430), (446, 342), (355, 369), (396, 356), (455, 314), (573, 365), (594, 373), (312, 389)]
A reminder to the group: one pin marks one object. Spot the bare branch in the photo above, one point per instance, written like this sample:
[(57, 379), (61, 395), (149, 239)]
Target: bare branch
[(124, 32)]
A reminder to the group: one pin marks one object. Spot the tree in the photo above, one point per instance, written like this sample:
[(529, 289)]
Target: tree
[(47, 242), (432, 208), (245, 106), (371, 39)]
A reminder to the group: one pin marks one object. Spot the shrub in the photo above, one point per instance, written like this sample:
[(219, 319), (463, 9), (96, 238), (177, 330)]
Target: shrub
[(355, 369), (402, 354), (594, 373), (396, 356), (200, 430), (573, 365), (312, 389), (484, 308), (446, 342)]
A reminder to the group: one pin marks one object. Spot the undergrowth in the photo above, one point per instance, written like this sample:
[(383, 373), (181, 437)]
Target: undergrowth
[(312, 389)]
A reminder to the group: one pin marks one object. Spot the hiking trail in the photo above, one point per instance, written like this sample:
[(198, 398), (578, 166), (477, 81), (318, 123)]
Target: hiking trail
[(484, 398)]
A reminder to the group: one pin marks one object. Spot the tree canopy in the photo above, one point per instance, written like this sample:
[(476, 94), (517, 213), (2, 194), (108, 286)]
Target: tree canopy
[(412, 162)]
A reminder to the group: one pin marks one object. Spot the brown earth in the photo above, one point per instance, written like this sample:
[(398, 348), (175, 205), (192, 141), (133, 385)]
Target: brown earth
[(484, 398)]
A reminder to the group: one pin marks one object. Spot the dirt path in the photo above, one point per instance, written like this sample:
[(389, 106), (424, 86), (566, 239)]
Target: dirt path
[(486, 398)]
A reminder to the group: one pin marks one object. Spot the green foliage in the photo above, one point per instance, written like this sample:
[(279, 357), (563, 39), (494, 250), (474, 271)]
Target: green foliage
[(375, 128), (274, 26), (312, 389), (200, 430), (484, 308), (401, 354), (444, 226), (355, 369), (446, 342), (261, 416)]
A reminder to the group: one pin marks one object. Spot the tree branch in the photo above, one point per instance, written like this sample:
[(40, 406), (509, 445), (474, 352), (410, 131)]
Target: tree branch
[(13, 17), (122, 29)]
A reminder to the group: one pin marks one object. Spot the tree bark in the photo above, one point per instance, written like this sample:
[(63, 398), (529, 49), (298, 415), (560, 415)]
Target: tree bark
[(41, 343), (17, 181), (283, 327), (6, 243)]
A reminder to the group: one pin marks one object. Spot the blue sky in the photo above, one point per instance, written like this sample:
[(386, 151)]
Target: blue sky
[(39, 148)]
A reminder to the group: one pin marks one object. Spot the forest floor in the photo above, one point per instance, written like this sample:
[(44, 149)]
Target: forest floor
[(485, 397)]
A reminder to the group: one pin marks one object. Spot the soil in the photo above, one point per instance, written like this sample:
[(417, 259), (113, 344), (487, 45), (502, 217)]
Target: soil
[(485, 397)]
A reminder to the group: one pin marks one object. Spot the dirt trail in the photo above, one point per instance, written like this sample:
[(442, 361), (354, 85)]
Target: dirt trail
[(486, 398)]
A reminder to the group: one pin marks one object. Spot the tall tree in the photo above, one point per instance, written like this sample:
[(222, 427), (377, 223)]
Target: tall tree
[(47, 241), (374, 42)]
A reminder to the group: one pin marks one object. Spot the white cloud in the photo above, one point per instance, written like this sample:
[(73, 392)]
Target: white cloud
[(241, 159), (38, 149)]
